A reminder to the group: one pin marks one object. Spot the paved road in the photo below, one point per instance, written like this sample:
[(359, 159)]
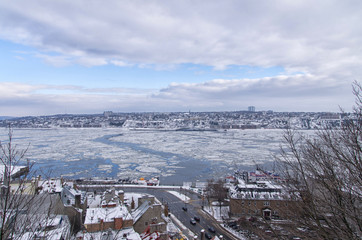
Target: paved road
[(175, 207)]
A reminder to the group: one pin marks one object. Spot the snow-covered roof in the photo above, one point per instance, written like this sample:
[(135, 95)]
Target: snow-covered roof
[(258, 185), (140, 210), (257, 195), (128, 198), (14, 170), (123, 234), (68, 194), (95, 215), (94, 201), (263, 190), (45, 226), (52, 185)]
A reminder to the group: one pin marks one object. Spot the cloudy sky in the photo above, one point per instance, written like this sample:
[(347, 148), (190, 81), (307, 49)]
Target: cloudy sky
[(128, 56)]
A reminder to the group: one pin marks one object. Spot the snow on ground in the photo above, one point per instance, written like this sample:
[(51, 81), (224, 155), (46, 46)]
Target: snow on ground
[(215, 211), (218, 213), (235, 233), (181, 196)]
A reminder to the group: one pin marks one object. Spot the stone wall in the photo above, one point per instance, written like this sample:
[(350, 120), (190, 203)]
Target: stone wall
[(261, 207), (151, 216)]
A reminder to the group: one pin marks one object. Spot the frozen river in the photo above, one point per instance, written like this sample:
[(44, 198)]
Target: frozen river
[(174, 156)]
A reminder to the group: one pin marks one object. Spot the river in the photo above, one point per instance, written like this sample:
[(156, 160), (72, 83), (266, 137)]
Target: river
[(174, 156)]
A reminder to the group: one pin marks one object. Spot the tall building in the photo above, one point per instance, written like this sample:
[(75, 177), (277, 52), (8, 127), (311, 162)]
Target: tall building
[(107, 113), (251, 109)]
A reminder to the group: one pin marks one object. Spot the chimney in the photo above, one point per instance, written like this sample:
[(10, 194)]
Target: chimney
[(202, 234), (6, 176), (121, 196), (77, 201)]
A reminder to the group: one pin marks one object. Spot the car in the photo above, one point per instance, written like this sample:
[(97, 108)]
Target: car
[(232, 224), (184, 208), (192, 221), (211, 229), (197, 218), (208, 235)]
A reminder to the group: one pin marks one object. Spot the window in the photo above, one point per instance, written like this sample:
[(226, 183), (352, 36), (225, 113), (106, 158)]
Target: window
[(146, 223), (266, 203), (249, 203)]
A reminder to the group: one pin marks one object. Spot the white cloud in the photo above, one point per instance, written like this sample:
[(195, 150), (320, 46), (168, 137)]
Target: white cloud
[(58, 61), (19, 99), (306, 36), (281, 93), (322, 40), (120, 63)]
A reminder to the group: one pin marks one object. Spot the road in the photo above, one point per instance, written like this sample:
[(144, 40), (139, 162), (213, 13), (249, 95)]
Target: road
[(175, 207)]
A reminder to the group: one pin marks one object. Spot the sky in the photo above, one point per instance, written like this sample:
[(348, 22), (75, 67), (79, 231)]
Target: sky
[(89, 56)]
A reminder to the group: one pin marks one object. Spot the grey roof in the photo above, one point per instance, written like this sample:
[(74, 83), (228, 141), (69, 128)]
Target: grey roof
[(137, 214)]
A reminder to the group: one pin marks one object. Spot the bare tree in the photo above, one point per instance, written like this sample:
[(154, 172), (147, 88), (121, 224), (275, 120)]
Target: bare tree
[(24, 213), (216, 190), (324, 172)]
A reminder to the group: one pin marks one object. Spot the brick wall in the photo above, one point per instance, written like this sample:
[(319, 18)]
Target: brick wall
[(100, 226), (127, 223), (118, 223)]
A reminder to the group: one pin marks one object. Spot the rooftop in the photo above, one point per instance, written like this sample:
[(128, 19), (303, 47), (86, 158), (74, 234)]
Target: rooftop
[(95, 215)]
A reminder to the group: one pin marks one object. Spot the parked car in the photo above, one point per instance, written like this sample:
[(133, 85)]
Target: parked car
[(197, 218), (211, 229), (232, 224), (192, 221)]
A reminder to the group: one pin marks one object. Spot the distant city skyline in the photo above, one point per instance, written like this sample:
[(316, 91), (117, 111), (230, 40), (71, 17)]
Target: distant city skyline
[(141, 56)]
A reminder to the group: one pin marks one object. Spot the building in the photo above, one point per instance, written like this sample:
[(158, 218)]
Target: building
[(8, 174), (109, 234), (43, 226), (40, 214), (148, 215), (258, 176), (104, 218), (251, 109), (111, 213), (260, 198), (74, 200), (107, 114)]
